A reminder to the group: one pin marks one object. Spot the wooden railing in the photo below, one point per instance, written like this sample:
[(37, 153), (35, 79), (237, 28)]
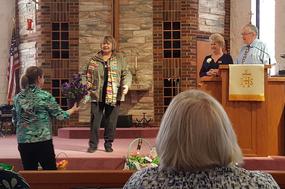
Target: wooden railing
[(83, 179), (76, 179)]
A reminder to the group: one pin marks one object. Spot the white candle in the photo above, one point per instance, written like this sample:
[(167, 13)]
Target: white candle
[(136, 62)]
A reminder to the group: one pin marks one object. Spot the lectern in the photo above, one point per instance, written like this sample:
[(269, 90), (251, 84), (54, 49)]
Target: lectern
[(259, 125)]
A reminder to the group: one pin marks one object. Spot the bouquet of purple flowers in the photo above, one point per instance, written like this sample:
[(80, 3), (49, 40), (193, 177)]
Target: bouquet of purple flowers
[(75, 90)]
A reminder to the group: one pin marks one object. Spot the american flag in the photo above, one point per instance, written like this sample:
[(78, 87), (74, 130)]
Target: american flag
[(13, 67)]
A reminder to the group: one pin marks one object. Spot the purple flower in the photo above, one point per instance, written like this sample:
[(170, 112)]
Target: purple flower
[(75, 90)]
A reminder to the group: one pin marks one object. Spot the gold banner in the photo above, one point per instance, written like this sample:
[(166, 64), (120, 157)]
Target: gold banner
[(246, 82)]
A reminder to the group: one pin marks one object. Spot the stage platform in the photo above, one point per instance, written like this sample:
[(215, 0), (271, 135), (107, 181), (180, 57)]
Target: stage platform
[(75, 151), (132, 132)]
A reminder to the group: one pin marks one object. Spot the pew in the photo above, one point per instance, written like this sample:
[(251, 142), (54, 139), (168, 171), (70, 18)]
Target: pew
[(83, 179), (76, 179)]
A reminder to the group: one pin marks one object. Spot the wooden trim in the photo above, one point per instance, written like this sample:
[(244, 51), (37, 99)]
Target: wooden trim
[(226, 66), (116, 20), (65, 179), (253, 121)]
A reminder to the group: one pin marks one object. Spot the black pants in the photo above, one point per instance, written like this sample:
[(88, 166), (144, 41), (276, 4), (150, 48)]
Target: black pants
[(39, 152), (106, 115)]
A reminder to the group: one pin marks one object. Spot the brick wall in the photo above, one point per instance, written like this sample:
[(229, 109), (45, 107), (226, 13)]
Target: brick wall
[(140, 39), (198, 20), (36, 45)]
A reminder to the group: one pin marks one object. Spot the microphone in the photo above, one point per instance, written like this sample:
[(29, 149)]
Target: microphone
[(263, 51)]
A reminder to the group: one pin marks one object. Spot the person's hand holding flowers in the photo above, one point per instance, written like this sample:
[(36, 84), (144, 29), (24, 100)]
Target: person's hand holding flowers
[(75, 90)]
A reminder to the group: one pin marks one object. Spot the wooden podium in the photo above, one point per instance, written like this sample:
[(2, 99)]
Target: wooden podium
[(259, 126)]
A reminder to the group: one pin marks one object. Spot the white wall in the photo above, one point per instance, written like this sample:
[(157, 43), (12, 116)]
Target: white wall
[(7, 12), (240, 16), (279, 32)]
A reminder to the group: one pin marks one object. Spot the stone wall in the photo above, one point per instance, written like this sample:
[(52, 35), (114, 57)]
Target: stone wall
[(136, 23), (135, 43), (95, 21), (212, 16)]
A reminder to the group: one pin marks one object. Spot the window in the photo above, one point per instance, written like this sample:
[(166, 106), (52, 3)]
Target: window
[(170, 90), (171, 40), (60, 41), (56, 86), (263, 16)]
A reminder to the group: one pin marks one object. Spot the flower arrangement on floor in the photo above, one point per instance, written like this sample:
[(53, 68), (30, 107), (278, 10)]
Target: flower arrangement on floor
[(143, 156), (75, 90), (62, 163)]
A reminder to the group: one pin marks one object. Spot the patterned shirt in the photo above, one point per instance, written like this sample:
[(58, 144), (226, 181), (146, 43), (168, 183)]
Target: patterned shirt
[(32, 113), (12, 180), (257, 54), (118, 76), (219, 177)]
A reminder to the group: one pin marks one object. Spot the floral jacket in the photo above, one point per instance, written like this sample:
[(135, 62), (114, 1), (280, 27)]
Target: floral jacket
[(119, 75), (32, 112), (12, 180)]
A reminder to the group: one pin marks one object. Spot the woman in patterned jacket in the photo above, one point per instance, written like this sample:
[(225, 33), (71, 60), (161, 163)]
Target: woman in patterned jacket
[(108, 80), (32, 113), (198, 148)]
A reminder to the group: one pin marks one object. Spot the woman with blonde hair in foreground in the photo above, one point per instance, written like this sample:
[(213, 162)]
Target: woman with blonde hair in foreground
[(198, 148)]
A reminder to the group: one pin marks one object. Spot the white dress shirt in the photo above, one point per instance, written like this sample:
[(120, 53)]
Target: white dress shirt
[(258, 53)]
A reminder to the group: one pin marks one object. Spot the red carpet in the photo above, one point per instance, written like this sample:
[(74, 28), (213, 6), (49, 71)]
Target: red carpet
[(75, 151), (132, 132)]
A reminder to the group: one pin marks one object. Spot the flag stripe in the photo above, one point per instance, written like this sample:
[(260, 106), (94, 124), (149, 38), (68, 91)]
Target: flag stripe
[(13, 66)]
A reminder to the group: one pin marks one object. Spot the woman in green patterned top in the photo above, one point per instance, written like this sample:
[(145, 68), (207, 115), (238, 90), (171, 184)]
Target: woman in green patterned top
[(32, 113)]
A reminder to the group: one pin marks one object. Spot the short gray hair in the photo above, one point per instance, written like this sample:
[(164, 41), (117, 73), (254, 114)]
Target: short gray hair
[(196, 133), (217, 38), (251, 28)]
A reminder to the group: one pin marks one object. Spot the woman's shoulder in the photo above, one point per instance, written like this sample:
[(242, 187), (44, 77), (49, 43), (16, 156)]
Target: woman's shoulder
[(43, 94), (227, 55), (147, 172), (142, 177), (255, 178), (227, 58), (208, 56)]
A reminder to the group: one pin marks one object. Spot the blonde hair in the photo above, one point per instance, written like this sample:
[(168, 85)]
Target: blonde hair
[(218, 38), (110, 39), (196, 133)]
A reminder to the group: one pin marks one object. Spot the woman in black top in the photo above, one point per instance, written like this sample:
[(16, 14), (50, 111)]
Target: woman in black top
[(211, 62)]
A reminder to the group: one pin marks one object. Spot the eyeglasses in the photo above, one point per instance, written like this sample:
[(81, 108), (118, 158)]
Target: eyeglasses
[(246, 33)]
